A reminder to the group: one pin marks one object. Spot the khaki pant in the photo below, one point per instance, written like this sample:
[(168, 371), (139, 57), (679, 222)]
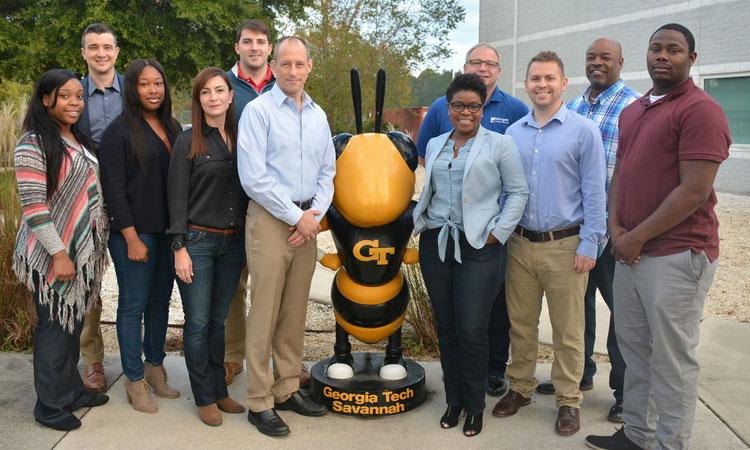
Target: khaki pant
[(280, 278), (234, 325), (547, 268), (92, 345)]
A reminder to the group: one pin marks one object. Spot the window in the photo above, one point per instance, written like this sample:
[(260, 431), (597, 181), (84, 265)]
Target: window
[(733, 94)]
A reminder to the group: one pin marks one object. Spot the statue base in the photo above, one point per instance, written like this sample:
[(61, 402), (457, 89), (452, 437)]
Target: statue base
[(366, 394)]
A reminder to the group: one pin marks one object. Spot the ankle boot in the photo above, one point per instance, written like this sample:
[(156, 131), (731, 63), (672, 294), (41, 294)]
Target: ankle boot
[(156, 376), (229, 405), (210, 415), (139, 395)]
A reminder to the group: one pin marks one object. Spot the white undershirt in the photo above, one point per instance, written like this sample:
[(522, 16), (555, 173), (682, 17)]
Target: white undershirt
[(654, 98)]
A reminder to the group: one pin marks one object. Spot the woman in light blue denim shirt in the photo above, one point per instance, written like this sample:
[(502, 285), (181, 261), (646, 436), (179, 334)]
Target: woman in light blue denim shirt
[(474, 195)]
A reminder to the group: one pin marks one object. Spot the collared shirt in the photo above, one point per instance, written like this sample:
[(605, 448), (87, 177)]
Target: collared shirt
[(257, 86), (244, 93), (285, 155), (686, 124), (564, 165), (204, 191), (500, 111), (445, 209), (103, 106), (605, 112)]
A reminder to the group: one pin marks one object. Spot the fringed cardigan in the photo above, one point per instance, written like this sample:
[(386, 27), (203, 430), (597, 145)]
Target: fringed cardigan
[(72, 219)]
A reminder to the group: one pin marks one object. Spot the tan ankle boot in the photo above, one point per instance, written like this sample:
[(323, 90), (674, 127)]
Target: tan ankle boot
[(210, 415), (156, 376), (139, 395), (228, 405)]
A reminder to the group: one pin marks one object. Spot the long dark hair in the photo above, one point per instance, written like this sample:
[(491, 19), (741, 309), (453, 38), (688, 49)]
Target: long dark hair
[(198, 147), (132, 110), (39, 122)]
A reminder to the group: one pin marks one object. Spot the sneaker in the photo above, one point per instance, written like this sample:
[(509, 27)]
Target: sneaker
[(617, 441)]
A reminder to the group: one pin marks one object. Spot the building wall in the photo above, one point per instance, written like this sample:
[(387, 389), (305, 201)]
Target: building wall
[(521, 28)]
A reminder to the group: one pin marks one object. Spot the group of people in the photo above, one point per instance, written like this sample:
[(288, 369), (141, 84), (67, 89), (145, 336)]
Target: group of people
[(611, 192)]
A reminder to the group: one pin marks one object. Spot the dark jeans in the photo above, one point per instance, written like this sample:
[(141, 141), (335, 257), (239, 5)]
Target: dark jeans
[(217, 262), (58, 384), (145, 291), (601, 277), (462, 296), (498, 332)]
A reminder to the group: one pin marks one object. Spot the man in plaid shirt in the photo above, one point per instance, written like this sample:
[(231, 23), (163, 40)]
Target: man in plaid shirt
[(602, 102)]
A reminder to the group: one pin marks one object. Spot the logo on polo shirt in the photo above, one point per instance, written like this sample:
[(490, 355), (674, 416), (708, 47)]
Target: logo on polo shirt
[(503, 120)]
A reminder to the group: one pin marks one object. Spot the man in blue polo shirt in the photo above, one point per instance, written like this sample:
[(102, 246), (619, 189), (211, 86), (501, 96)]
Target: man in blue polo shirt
[(500, 111)]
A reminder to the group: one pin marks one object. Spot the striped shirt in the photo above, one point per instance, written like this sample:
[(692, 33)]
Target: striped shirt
[(64, 222), (605, 112)]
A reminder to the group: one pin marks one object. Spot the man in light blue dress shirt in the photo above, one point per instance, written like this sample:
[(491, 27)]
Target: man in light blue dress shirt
[(286, 162), (557, 240)]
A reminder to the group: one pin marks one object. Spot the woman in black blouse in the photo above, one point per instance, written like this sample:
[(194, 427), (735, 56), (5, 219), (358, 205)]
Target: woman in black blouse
[(134, 157), (207, 210)]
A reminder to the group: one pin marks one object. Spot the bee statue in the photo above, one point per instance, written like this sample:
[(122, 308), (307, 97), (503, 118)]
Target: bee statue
[(370, 219)]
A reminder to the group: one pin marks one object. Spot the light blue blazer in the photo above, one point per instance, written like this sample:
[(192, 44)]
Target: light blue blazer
[(493, 172)]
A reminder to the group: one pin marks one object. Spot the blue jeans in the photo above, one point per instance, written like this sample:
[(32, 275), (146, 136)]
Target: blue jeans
[(217, 262), (601, 277), (145, 291), (462, 296)]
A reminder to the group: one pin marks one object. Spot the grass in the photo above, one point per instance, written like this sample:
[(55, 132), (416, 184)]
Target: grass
[(11, 118), (420, 337)]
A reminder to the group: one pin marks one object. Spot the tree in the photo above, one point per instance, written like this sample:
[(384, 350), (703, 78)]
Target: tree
[(184, 35), (429, 85), (368, 34)]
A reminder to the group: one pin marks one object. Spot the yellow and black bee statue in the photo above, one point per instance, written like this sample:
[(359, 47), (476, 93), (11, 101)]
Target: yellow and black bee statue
[(370, 219)]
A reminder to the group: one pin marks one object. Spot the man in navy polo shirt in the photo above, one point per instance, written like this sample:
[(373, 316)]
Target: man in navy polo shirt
[(500, 111)]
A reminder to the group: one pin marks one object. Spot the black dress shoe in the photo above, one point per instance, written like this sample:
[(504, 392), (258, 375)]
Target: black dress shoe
[(268, 422), (302, 405), (586, 385), (450, 418), (96, 400), (615, 413), (473, 425), (547, 388), (497, 386), (617, 441), (64, 422)]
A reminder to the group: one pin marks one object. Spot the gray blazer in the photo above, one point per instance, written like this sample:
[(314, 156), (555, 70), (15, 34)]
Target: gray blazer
[(494, 187)]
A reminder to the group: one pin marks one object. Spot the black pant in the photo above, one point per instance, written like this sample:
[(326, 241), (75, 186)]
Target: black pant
[(499, 328), (462, 296), (601, 277), (58, 384)]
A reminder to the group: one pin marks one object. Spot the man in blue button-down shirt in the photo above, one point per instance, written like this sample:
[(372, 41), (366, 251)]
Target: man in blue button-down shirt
[(286, 162), (556, 242)]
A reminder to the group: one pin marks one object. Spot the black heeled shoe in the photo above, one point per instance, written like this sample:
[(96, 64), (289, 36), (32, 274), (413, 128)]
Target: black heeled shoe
[(473, 425), (450, 418)]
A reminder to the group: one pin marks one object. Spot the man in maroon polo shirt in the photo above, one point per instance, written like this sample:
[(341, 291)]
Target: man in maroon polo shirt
[(665, 238)]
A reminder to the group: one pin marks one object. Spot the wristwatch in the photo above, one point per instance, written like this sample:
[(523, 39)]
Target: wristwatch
[(177, 245)]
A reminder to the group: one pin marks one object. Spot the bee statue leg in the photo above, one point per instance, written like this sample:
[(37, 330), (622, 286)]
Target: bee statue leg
[(341, 363), (395, 366)]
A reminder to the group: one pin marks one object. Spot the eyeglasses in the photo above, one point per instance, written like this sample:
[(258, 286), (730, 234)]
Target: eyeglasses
[(479, 62), (472, 107)]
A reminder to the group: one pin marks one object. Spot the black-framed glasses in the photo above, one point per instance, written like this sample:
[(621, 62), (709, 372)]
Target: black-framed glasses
[(460, 106), (479, 62)]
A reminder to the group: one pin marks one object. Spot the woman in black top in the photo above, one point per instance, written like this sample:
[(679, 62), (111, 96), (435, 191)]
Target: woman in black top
[(134, 154), (207, 210)]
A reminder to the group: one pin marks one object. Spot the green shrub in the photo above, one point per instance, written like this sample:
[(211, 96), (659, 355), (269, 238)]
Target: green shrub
[(17, 315)]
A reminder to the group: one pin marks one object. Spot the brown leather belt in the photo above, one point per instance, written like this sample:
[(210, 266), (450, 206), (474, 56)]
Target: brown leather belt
[(304, 206), (546, 236), (225, 231)]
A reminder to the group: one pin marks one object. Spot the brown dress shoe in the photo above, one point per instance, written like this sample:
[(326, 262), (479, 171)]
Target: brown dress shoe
[(210, 415), (94, 379), (304, 377), (229, 405), (231, 369), (568, 421), (510, 404)]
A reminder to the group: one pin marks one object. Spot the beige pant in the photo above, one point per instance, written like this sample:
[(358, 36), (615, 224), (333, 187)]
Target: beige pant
[(92, 345), (280, 278), (234, 325), (547, 268)]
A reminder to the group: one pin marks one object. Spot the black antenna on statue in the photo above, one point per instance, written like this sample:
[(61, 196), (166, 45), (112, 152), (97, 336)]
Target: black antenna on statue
[(379, 100), (357, 98)]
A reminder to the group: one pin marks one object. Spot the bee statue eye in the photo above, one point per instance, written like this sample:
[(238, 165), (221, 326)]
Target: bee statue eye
[(406, 147), (340, 141)]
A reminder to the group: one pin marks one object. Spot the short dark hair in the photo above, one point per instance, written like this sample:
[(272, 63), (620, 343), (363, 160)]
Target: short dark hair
[(97, 28), (467, 82), (680, 29), (253, 25), (546, 56)]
